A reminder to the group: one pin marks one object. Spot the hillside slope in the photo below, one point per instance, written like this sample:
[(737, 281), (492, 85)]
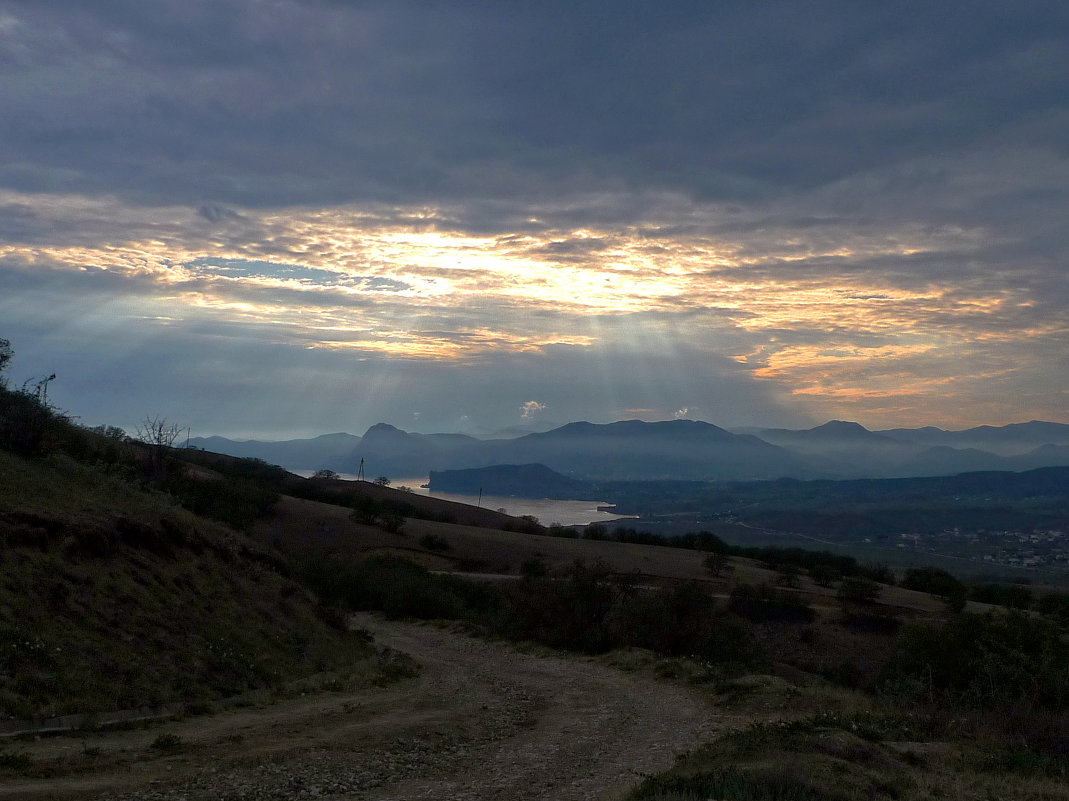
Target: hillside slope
[(115, 598)]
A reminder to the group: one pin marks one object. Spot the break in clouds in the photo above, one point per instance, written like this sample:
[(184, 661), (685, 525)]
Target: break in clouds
[(288, 218)]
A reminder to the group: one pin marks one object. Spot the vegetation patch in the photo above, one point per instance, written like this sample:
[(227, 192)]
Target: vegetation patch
[(144, 606), (993, 661), (764, 603), (731, 784), (865, 753), (432, 542)]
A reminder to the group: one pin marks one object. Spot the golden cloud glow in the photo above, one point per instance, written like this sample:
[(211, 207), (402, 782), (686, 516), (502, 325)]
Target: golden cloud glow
[(796, 307)]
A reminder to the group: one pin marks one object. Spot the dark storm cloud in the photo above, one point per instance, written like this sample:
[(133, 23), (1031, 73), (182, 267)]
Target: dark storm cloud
[(218, 185), (313, 102)]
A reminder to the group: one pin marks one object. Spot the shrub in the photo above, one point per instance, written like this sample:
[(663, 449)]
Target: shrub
[(15, 760), (568, 612), (765, 603), (935, 581), (595, 531), (1013, 596), (533, 568), (393, 522), (680, 621), (870, 622), (6, 355), (233, 500), (366, 510), (788, 575), (396, 586), (729, 784), (1056, 605), (996, 660), (432, 542), (877, 572), (567, 532), (824, 574), (715, 563), (167, 742), (857, 590), (28, 424)]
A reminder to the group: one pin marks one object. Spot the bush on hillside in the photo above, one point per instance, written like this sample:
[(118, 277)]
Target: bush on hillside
[(31, 426), (432, 542), (932, 580), (936, 581), (763, 603), (1013, 596), (1056, 605), (680, 621), (567, 611), (233, 500), (991, 661), (396, 586), (855, 591)]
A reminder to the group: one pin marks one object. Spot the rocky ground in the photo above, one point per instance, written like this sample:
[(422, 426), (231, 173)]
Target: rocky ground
[(481, 721)]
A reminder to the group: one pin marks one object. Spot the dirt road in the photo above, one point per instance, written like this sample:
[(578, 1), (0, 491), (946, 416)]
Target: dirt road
[(482, 721)]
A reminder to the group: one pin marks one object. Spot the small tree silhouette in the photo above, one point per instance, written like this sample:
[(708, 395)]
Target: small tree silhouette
[(160, 436), (6, 355)]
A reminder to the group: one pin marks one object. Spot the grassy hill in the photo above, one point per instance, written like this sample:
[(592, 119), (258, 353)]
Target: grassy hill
[(114, 597)]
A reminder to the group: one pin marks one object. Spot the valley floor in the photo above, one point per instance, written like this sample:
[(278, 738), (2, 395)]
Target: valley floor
[(481, 721)]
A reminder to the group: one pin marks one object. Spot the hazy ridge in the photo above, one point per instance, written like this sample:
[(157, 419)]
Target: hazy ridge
[(678, 450)]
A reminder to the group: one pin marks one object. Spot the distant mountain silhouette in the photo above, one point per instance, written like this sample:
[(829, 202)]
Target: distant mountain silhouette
[(326, 451), (834, 431), (841, 449), (631, 449), (943, 460), (1043, 456), (678, 450), (522, 480), (1014, 439), (389, 451)]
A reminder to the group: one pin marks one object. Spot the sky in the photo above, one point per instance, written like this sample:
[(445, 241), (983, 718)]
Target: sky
[(273, 219)]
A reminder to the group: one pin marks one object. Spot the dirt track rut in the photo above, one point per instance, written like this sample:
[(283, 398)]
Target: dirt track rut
[(482, 721)]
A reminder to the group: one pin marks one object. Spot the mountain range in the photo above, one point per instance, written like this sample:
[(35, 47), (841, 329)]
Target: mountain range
[(677, 450)]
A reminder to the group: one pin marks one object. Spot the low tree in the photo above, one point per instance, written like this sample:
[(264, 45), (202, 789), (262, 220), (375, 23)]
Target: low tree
[(159, 435), (113, 449), (787, 575), (533, 568), (939, 582), (858, 591), (382, 481), (366, 510), (392, 522), (824, 574), (29, 424), (595, 531), (325, 474), (6, 355), (715, 562), (432, 542)]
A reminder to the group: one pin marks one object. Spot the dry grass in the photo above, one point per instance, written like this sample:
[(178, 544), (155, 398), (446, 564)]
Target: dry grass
[(113, 598)]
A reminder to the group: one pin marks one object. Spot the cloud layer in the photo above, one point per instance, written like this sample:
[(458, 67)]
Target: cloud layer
[(292, 217)]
